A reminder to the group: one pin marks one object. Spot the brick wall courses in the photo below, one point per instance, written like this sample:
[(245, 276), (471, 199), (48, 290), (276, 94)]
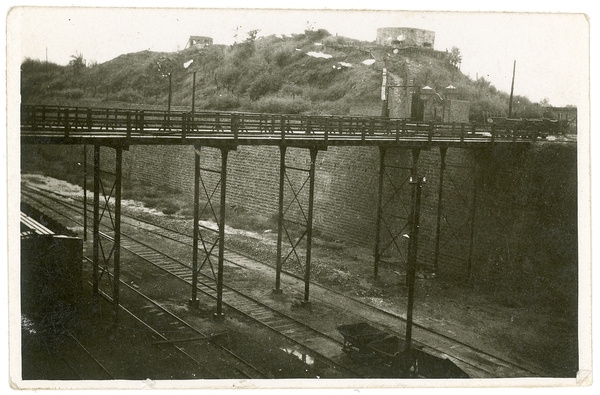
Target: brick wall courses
[(526, 202)]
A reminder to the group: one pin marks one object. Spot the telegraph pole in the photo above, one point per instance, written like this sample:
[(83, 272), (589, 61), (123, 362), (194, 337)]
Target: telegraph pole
[(193, 92), (512, 88)]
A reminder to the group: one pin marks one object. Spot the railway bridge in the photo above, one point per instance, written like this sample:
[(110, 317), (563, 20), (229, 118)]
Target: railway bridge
[(118, 129)]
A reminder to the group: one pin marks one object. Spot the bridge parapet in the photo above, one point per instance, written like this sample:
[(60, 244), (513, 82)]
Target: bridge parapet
[(54, 124)]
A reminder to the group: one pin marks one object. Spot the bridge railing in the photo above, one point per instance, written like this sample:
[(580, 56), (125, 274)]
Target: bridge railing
[(112, 122)]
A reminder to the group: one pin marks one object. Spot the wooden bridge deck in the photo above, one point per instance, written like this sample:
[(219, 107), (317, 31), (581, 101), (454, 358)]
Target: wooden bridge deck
[(110, 126)]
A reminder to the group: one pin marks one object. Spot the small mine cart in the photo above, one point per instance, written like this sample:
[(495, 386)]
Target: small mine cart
[(391, 351), (358, 336), (413, 362)]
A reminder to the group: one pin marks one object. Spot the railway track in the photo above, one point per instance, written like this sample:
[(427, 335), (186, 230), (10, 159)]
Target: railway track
[(291, 329), (170, 328), (303, 335)]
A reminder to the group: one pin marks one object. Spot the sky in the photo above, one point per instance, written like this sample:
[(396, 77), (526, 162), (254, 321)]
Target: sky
[(550, 50)]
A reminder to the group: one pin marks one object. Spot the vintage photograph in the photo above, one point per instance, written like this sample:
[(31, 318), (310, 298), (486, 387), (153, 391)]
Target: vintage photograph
[(237, 197)]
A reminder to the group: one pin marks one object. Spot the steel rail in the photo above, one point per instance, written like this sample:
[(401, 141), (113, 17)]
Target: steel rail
[(182, 321), (91, 356)]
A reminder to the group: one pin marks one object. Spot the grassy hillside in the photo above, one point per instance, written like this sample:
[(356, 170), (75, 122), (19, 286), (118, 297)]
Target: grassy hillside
[(265, 74)]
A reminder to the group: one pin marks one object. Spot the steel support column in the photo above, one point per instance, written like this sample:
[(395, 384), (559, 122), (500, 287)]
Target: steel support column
[(311, 193), (117, 230), (438, 228), (96, 225), (377, 253), (194, 301), (413, 246), (416, 190), (85, 193), (224, 153), (279, 262), (472, 219)]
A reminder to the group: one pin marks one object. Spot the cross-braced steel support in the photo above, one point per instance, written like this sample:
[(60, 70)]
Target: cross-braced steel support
[(388, 223), (306, 221), (111, 269), (219, 178), (455, 227)]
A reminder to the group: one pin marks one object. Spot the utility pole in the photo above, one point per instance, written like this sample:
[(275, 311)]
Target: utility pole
[(170, 85), (512, 88), (193, 92)]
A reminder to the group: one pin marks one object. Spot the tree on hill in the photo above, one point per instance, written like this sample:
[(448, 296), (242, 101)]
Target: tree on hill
[(77, 63), (455, 56)]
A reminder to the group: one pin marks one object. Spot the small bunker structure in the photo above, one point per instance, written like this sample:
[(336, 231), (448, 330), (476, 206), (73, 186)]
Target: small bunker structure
[(405, 37)]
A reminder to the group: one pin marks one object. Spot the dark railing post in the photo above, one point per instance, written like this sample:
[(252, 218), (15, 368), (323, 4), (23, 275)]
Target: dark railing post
[(462, 132), (67, 124), (430, 132), (273, 124), (235, 125), (29, 116), (283, 126), (141, 124), (493, 139), (89, 120), (43, 114), (128, 124)]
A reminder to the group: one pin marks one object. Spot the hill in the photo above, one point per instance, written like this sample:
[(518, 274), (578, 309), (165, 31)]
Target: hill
[(310, 73)]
